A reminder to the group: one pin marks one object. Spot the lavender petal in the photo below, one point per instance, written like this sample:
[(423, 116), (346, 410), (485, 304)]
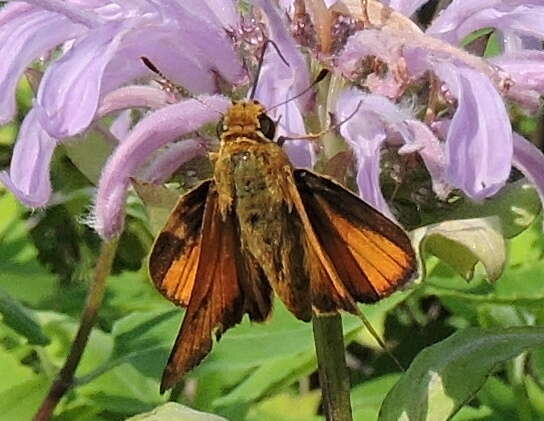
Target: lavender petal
[(170, 158), (479, 141), (461, 18), (365, 133), (212, 46), (525, 68), (28, 177), (135, 96), (530, 161), (150, 134), (70, 89), (26, 34), (406, 7)]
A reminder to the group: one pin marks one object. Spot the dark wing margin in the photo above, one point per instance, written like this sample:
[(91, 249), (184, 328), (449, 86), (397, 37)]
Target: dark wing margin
[(217, 300), (174, 257), (371, 254)]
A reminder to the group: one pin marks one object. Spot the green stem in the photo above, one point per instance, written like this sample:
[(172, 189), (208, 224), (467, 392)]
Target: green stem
[(333, 372), (65, 377)]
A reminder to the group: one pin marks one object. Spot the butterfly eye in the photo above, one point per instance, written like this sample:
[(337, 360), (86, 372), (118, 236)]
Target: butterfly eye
[(267, 126)]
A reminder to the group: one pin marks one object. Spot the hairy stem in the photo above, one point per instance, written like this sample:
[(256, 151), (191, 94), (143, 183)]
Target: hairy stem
[(65, 377), (333, 372)]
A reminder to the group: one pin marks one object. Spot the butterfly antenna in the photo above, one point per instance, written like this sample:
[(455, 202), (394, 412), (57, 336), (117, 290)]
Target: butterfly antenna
[(313, 136), (322, 75), (165, 83), (379, 340), (260, 64), (170, 86)]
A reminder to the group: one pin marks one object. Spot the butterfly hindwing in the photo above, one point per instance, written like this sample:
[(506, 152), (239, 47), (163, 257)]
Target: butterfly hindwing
[(371, 254), (217, 301)]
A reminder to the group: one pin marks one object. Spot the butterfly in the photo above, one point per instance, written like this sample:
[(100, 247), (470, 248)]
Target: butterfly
[(259, 227)]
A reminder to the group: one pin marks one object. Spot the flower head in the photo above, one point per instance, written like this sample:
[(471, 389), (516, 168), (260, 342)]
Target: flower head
[(416, 93)]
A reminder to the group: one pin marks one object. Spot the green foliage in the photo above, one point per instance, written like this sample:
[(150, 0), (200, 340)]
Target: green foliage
[(472, 348), (445, 376), (175, 412), (266, 371)]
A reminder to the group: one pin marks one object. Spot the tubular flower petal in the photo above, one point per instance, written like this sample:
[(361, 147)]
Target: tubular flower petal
[(134, 97), (170, 158), (530, 161), (365, 133), (26, 33), (463, 17), (70, 89), (280, 82), (150, 134), (525, 68), (406, 7), (28, 176), (479, 140)]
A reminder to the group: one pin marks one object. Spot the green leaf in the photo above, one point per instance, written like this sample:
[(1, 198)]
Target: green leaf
[(528, 247), (285, 351), (278, 372), (366, 398), (13, 372), (517, 205), (61, 330), (445, 376), (131, 292), (142, 340), (519, 286), (287, 407), (172, 411), (20, 273), (123, 390), (21, 401), (89, 153), (21, 320), (463, 243), (498, 396), (535, 393), (159, 202), (482, 413), (475, 35), (269, 377), (376, 314)]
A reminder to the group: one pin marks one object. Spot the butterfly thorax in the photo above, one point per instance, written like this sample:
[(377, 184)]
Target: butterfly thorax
[(247, 119), (252, 176), (251, 170)]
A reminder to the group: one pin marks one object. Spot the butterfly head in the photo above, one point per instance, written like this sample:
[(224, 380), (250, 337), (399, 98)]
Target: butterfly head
[(246, 119)]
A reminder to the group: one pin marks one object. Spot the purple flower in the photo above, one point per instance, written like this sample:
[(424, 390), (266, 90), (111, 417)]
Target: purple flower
[(478, 146), (279, 82), (421, 92), (101, 43), (151, 133), (28, 178), (374, 122)]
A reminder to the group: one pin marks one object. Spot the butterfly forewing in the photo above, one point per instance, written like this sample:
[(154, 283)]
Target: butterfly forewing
[(371, 254), (174, 257), (216, 300)]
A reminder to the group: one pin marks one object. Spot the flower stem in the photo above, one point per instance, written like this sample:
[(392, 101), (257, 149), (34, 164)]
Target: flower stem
[(333, 372), (65, 377)]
